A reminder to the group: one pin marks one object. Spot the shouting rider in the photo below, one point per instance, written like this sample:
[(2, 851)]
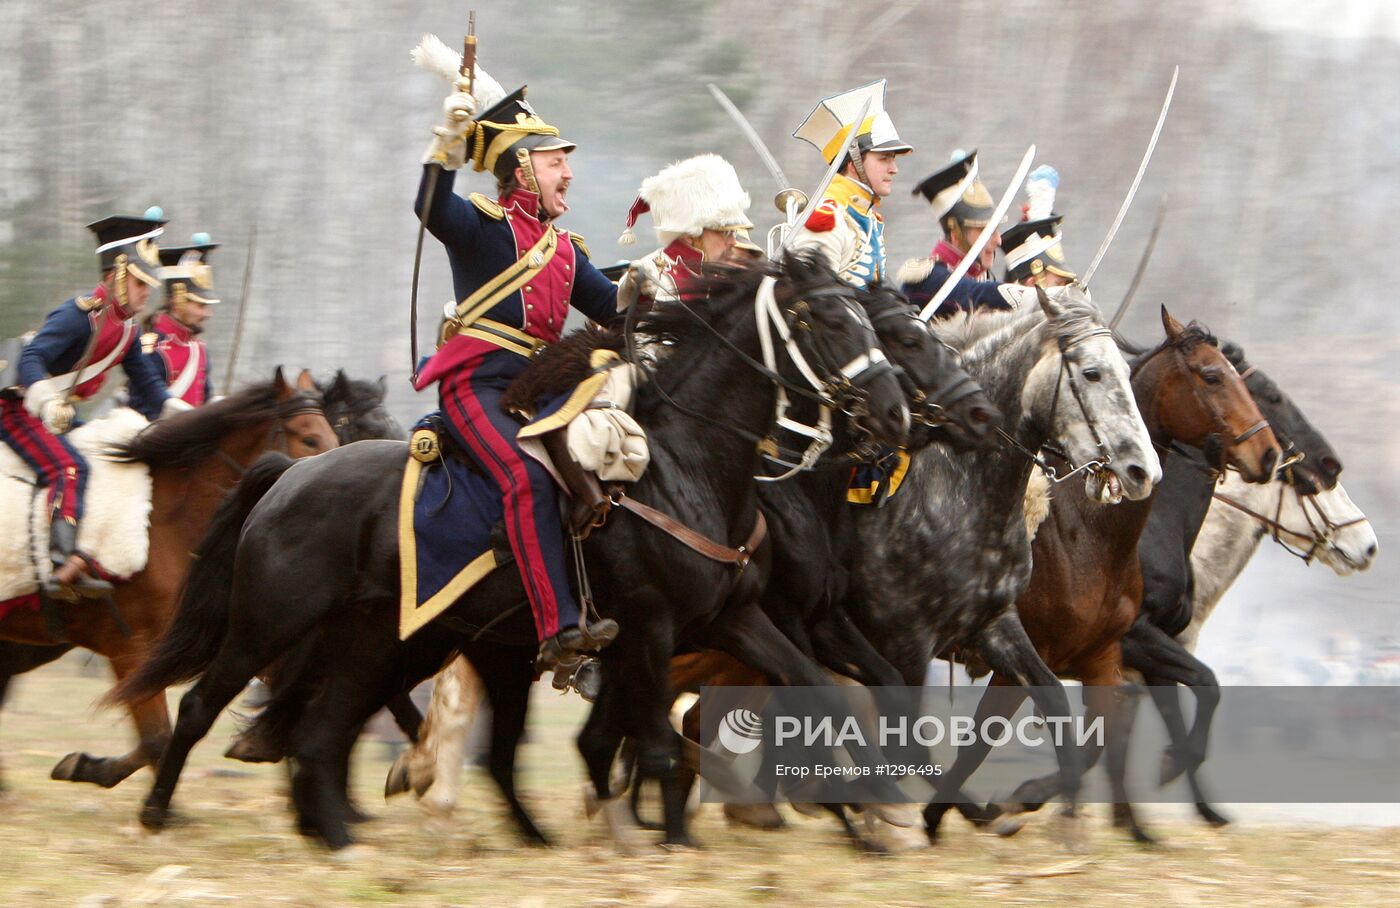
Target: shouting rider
[(515, 275), (846, 226), (171, 341), (698, 210), (1034, 254), (67, 361), (963, 209)]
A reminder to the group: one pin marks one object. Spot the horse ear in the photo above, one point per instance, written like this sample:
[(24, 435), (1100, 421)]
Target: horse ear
[(281, 390), (340, 383), (383, 385), (1051, 308), (305, 381), (1171, 325)]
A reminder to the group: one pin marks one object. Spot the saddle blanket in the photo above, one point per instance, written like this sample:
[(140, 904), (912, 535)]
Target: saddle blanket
[(116, 509), (448, 513)]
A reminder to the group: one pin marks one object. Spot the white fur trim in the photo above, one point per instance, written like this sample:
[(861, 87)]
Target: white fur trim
[(115, 525), (1036, 505), (691, 195)]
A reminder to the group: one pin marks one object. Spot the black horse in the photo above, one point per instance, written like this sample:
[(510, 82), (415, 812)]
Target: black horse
[(300, 570), (1164, 551), (356, 411)]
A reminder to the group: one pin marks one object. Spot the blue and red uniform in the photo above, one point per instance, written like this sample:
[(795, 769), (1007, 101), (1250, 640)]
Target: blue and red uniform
[(181, 360), (484, 239), (975, 290), (53, 355)]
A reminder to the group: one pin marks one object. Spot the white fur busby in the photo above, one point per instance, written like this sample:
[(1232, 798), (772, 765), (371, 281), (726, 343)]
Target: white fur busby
[(692, 195)]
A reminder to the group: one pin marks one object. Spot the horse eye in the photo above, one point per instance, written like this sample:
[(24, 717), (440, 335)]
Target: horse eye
[(1211, 377), (910, 343), (311, 441), (1092, 375)]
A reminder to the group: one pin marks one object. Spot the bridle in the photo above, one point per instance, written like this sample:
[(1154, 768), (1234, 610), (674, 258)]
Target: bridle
[(298, 405), (1215, 442), (843, 389), (1104, 457), (927, 408), (343, 423), (1322, 529)]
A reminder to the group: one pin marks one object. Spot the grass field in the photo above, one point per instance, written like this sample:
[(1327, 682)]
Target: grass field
[(67, 844)]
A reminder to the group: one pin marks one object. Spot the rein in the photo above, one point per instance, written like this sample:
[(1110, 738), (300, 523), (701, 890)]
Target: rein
[(1321, 532), (1096, 464)]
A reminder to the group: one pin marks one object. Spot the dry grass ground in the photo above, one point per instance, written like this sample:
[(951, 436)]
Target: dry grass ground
[(67, 844)]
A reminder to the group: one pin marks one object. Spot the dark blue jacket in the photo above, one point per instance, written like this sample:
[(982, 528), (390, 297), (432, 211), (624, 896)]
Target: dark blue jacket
[(968, 293)]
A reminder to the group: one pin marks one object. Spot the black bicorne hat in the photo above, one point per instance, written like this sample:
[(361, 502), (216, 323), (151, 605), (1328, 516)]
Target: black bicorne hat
[(130, 240), (956, 192), (510, 126)]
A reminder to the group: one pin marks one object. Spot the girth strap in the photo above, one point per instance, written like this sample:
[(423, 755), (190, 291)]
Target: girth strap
[(703, 544)]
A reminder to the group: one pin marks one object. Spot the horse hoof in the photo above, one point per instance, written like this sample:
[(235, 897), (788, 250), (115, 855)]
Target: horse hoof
[(154, 817), (66, 770), (808, 809), (680, 846), (1172, 768), (591, 804), (893, 839), (1211, 816), (757, 816), (1007, 823), (355, 815), (352, 853), (437, 802), (251, 750), (397, 781)]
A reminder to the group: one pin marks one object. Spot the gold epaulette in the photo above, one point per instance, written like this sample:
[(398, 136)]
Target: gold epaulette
[(582, 246), (914, 271), (489, 207), (149, 341), (88, 303)]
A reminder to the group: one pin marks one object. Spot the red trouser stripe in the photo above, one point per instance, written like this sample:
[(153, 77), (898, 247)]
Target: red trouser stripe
[(55, 464), (507, 468)]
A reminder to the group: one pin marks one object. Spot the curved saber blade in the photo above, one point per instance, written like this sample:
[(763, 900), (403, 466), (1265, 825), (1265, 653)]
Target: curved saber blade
[(983, 238), (1132, 190), (815, 198), (1142, 265), (751, 134)]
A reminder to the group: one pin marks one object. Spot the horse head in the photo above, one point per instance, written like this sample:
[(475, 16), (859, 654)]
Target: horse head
[(1082, 383), (947, 405), (834, 348), (302, 428), (356, 409), (1201, 400), (1320, 466)]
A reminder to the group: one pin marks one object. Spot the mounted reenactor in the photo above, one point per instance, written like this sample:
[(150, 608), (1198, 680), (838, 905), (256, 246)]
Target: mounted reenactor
[(66, 362), (171, 341), (698, 211), (1033, 249), (516, 274), (846, 226), (963, 209)]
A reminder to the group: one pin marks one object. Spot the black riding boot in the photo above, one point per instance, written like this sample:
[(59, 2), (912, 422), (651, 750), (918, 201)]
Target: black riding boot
[(573, 640), (70, 578)]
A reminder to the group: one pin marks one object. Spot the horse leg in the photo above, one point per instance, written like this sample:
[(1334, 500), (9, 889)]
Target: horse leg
[(454, 710), (840, 646), (1164, 663), (1000, 699), (1120, 732), (598, 743), (18, 658), (506, 673), (1007, 650), (152, 719)]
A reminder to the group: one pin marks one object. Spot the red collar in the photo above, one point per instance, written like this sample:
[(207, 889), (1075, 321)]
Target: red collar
[(528, 202), (950, 255), (681, 251), (167, 323)]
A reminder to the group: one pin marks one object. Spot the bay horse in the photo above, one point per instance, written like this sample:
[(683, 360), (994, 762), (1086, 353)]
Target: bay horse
[(194, 457), (940, 566), (1199, 537), (1086, 586), (703, 411), (810, 534)]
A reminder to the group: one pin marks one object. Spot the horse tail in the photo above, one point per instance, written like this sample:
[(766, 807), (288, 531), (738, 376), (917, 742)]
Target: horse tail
[(194, 636)]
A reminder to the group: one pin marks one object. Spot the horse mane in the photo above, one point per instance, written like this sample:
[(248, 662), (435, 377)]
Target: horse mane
[(687, 324), (184, 439), (1192, 335), (988, 332), (351, 391)]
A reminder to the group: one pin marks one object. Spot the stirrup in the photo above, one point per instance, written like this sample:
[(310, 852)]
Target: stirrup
[(583, 674)]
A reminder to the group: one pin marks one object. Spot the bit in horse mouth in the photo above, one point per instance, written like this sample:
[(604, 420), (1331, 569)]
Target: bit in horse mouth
[(1105, 487)]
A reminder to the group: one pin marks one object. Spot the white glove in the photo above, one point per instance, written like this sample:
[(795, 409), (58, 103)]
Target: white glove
[(174, 405), (57, 415), (1018, 295), (449, 145)]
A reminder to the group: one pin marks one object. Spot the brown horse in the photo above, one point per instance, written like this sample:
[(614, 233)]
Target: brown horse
[(195, 458), (1086, 587)]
